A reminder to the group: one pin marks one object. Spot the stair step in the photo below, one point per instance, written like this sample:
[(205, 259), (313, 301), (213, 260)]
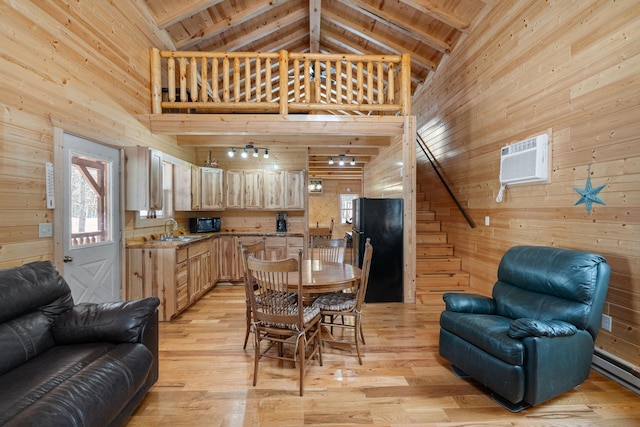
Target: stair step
[(443, 280), (423, 251), (427, 226), (423, 205), (425, 215), (429, 237), (438, 265)]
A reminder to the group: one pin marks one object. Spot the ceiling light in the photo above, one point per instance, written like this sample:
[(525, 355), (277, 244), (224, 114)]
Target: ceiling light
[(266, 153), (244, 154), (341, 160), (255, 152), (231, 152), (353, 161), (330, 160)]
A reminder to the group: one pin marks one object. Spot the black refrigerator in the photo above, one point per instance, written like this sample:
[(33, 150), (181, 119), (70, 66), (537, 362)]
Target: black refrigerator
[(380, 220)]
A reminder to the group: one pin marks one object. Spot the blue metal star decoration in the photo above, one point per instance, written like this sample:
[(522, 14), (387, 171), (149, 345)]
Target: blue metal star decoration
[(589, 195)]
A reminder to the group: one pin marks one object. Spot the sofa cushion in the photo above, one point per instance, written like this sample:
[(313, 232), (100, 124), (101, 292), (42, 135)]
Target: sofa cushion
[(115, 321), (36, 285), (85, 384), (487, 332)]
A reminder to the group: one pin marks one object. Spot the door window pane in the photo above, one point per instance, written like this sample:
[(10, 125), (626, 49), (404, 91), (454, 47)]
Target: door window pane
[(345, 207), (89, 201)]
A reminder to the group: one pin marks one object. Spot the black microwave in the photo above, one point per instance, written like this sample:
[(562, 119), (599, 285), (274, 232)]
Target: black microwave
[(204, 225)]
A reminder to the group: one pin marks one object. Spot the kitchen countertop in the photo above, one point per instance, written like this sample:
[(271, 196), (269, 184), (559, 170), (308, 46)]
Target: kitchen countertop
[(148, 243)]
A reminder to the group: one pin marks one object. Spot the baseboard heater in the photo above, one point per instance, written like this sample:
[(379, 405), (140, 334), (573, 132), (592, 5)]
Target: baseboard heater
[(617, 369)]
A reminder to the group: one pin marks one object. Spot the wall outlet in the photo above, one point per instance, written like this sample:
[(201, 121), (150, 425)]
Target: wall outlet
[(487, 220), (606, 322)]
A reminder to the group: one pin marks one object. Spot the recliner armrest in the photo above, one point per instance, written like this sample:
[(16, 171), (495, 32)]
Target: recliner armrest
[(114, 322), (466, 303), (522, 328)]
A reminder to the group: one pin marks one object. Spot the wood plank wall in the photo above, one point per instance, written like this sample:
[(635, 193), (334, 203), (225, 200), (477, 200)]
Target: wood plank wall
[(528, 67), (82, 66), (326, 205)]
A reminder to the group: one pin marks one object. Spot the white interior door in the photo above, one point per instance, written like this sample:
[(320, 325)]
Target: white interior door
[(91, 230)]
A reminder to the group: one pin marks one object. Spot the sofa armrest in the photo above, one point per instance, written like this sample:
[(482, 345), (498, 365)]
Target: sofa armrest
[(522, 328), (115, 321), (466, 303)]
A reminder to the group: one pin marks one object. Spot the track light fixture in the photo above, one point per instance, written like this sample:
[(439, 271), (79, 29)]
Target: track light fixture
[(255, 151), (341, 160)]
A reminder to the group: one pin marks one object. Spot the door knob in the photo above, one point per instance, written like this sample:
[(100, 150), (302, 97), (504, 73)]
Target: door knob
[(67, 258)]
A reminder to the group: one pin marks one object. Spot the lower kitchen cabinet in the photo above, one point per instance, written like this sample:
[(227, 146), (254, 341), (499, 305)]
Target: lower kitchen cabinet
[(229, 259), (179, 276)]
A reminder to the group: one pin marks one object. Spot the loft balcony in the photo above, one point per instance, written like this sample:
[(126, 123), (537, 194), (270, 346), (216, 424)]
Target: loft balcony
[(280, 83)]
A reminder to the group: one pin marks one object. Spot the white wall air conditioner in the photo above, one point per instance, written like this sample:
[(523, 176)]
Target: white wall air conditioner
[(525, 161)]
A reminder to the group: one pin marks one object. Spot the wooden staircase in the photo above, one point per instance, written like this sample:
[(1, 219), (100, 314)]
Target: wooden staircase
[(437, 268)]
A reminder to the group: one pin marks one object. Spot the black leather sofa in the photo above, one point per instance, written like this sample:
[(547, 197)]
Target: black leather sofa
[(534, 338), (71, 365)]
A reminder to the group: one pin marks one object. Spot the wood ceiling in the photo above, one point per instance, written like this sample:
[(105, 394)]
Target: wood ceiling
[(426, 29)]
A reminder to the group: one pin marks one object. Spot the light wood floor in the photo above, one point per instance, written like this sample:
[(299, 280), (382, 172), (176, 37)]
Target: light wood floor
[(206, 379)]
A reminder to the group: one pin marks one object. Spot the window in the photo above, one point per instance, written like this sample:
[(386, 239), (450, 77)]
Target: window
[(346, 211)]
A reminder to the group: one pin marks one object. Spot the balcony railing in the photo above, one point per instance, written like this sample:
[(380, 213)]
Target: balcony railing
[(279, 83)]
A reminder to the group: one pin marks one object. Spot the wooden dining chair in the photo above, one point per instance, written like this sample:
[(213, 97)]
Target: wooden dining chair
[(347, 306), (258, 250), (329, 250), (279, 316)]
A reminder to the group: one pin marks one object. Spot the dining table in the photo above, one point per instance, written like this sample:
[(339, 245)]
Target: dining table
[(320, 276)]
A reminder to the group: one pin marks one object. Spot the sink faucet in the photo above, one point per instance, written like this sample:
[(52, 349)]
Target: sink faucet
[(175, 227)]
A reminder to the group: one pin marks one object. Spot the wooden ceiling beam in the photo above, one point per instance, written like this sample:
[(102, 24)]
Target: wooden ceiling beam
[(376, 39), (315, 10), (182, 11), (267, 28), (387, 19), (324, 150), (428, 7), (317, 144), (257, 8)]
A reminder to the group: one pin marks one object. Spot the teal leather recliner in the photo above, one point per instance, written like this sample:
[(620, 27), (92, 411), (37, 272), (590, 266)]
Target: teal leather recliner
[(535, 337)]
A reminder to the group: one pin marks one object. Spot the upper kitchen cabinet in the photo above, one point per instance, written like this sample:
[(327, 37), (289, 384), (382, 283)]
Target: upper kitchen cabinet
[(295, 190), (284, 189), (273, 189), (143, 172), (244, 189), (212, 190), (197, 188)]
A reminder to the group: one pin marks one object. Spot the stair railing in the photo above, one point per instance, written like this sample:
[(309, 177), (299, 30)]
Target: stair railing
[(431, 159)]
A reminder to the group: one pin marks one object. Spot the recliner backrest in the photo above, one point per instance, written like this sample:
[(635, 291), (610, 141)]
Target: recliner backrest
[(548, 283)]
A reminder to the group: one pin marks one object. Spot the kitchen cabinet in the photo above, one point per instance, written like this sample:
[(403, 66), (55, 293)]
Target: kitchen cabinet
[(274, 189), (178, 275), (212, 189), (244, 189), (281, 247), (295, 190), (284, 189), (143, 179), (229, 259), (197, 188)]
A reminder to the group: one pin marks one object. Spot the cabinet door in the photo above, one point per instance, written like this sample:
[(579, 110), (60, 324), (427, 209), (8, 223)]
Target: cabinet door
[(296, 187), (273, 189), (253, 195), (215, 261), (156, 189), (212, 189), (235, 189), (143, 179), (196, 193), (182, 188), (228, 258)]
